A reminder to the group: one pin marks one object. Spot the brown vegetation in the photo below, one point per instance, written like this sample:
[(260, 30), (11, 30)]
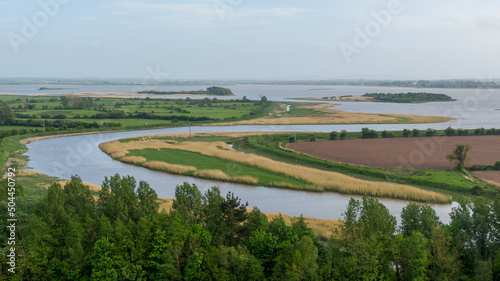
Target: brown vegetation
[(422, 152), (211, 174), (133, 159), (170, 168), (322, 228)]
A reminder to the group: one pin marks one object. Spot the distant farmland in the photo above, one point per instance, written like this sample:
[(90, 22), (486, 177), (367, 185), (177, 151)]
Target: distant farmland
[(421, 152)]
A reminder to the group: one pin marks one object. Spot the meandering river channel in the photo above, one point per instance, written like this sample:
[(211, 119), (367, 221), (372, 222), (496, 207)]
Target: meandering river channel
[(80, 155)]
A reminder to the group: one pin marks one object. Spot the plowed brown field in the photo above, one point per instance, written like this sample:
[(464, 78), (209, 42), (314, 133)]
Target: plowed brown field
[(491, 176), (421, 152)]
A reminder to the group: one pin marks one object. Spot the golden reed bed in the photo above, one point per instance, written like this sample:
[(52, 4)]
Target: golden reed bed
[(332, 116)]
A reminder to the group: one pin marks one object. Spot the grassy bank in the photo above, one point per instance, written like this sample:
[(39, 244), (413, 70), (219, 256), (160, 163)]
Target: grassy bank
[(316, 179)]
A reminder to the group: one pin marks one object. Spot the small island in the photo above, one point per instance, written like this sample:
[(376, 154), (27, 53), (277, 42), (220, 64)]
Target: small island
[(410, 97), (210, 91), (52, 89)]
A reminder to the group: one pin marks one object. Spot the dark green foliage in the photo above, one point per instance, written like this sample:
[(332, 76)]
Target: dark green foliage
[(230, 263), (415, 133), (475, 228), (408, 97), (479, 132), (118, 199), (444, 261), (386, 134), (218, 91), (233, 214), (365, 241), (368, 134), (6, 115), (67, 236), (406, 133), (188, 202), (297, 262), (411, 256), (450, 131), (462, 132), (459, 155), (497, 165), (333, 135), (343, 134), (430, 132), (418, 218)]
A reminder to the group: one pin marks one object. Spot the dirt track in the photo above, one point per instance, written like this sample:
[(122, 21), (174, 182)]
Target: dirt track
[(421, 152)]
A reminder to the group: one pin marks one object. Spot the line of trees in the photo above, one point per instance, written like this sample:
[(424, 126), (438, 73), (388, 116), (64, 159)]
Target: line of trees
[(120, 235), (214, 90)]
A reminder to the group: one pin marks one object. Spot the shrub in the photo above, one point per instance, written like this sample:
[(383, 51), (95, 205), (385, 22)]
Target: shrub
[(449, 131), (479, 132), (430, 132), (368, 134), (343, 134), (385, 134), (477, 167), (476, 190), (333, 135), (415, 132), (491, 131), (406, 133), (497, 165), (462, 132)]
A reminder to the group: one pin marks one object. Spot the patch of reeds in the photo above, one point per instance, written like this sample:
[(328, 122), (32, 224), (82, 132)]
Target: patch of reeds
[(245, 179), (322, 228), (28, 173), (170, 168), (133, 159), (211, 174)]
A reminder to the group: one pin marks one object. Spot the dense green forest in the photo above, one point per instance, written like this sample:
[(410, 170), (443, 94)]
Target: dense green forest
[(212, 91), (408, 97), (120, 235)]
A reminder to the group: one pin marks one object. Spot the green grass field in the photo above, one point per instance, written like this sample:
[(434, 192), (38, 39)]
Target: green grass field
[(161, 112)]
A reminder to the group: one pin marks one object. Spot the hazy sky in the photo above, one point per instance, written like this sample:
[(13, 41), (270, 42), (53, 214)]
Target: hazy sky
[(250, 39)]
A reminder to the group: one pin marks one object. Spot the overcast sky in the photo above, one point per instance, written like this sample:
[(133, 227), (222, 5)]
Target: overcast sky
[(250, 39)]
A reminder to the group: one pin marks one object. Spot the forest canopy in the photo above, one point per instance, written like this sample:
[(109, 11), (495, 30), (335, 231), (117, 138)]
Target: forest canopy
[(120, 235)]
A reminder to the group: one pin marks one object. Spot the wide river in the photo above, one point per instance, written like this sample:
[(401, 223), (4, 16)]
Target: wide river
[(80, 155)]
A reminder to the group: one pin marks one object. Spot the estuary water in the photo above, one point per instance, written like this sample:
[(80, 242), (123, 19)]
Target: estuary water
[(80, 155)]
